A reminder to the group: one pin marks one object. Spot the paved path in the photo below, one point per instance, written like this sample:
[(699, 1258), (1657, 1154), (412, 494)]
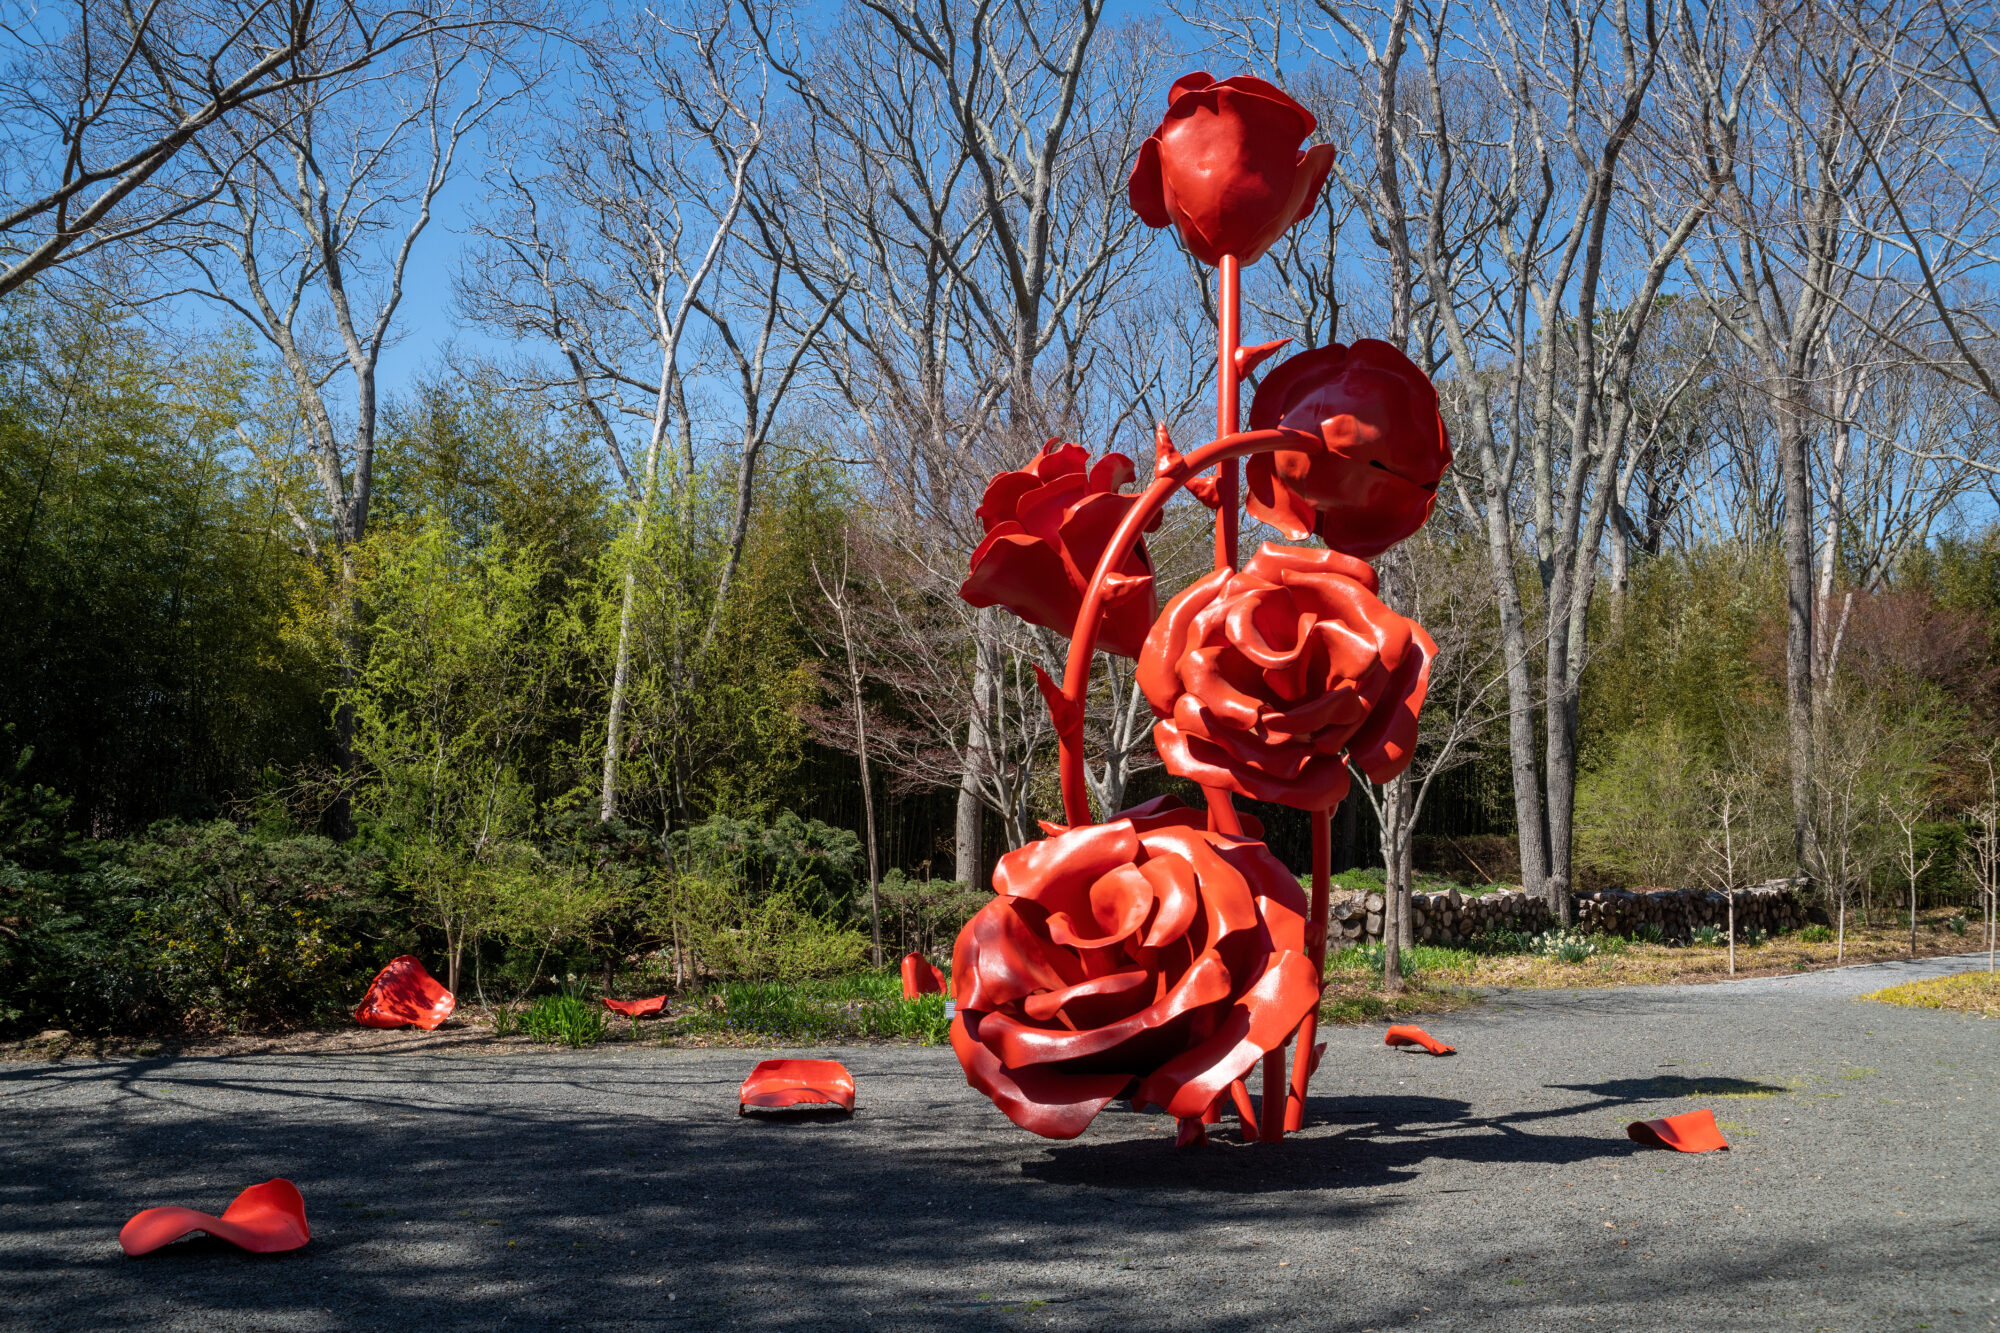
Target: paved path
[(618, 1189)]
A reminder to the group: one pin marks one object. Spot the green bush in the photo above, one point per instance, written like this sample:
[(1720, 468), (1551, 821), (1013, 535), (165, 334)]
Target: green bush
[(565, 1017), (1649, 932), (1706, 936), (1416, 959), (197, 927), (862, 1004), (1503, 941), (1955, 924), (1816, 934)]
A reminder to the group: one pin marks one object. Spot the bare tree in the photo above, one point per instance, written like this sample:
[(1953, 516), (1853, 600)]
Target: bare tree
[(103, 102), (1730, 842), (1906, 809), (1979, 857), (1428, 579), (640, 232), (962, 173), (838, 596)]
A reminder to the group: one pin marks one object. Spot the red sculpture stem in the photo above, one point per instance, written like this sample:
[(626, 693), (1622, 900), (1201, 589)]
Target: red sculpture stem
[(1083, 637), (1322, 833), (1228, 417), (1246, 1114)]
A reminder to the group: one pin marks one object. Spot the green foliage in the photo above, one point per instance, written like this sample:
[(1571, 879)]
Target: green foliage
[(860, 1004), (147, 575), (195, 927), (1706, 936), (1649, 932), (31, 815), (1815, 934), (726, 933), (1416, 959), (925, 915), (1640, 815), (1686, 654), (1503, 941), (823, 866), (458, 668), (565, 1017)]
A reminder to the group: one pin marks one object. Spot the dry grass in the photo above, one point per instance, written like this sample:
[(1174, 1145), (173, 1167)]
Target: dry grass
[(1633, 964), (1968, 993)]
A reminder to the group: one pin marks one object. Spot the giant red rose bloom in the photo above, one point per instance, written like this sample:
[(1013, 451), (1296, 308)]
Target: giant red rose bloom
[(1263, 679), (1225, 167), (1046, 528), (1384, 448), (1145, 958)]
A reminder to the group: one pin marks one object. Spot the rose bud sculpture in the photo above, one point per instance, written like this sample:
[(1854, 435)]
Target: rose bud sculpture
[(1046, 526), (1267, 681), (1224, 167), (1374, 482), (1144, 958)]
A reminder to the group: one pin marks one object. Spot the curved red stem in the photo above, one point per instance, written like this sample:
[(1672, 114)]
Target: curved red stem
[(1083, 637)]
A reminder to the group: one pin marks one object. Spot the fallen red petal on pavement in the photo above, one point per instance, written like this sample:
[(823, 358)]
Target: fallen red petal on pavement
[(776, 1083), (1695, 1131), (1409, 1034), (921, 977), (404, 995), (263, 1219)]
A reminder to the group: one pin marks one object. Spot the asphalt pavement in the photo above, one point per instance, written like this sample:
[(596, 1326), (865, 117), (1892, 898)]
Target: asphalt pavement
[(467, 1186)]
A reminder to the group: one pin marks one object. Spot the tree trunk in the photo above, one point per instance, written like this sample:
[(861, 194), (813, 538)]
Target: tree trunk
[(614, 722), (1792, 464), (985, 689)]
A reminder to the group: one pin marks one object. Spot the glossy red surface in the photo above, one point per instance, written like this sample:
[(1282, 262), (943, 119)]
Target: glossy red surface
[(921, 977), (781, 1083), (1382, 447), (1047, 525), (1160, 963), (1164, 954), (1409, 1034), (1225, 167), (263, 1219), (1695, 1131), (403, 994), (637, 1008), (1266, 682)]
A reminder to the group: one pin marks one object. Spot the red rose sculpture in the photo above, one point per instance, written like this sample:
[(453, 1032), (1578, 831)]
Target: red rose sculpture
[(1225, 167), (1375, 480), (1146, 958), (1262, 679), (1046, 527)]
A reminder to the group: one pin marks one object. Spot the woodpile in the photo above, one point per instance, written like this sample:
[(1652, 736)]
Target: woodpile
[(1455, 918), (1772, 907)]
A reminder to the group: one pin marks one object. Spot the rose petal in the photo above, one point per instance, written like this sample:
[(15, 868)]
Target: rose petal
[(1019, 1044), (1119, 902), (1179, 895), (1258, 1023), (1043, 1101), (1385, 744), (1159, 661), (1045, 1005), (1057, 872), (1025, 575), (998, 959)]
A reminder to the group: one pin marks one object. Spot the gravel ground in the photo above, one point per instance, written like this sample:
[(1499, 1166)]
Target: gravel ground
[(618, 1189)]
